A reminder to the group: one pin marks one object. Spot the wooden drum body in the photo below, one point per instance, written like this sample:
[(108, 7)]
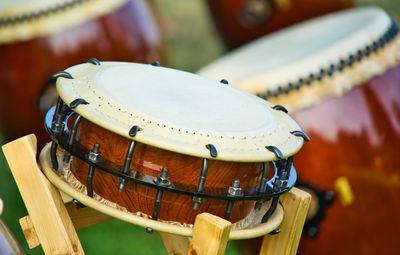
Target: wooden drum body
[(241, 21), (344, 91), (38, 39), (148, 162)]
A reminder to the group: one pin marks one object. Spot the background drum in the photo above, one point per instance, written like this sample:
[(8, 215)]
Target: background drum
[(241, 21), (338, 76), (39, 38), (152, 141)]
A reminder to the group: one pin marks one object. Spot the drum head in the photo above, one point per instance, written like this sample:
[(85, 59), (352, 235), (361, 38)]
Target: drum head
[(179, 111), (316, 51)]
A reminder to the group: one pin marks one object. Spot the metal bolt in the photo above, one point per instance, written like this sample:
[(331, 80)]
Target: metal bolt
[(163, 179), (122, 183), (234, 189), (94, 155), (197, 201)]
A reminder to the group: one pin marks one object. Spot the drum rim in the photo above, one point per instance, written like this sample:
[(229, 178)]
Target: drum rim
[(56, 180), (38, 19), (250, 149)]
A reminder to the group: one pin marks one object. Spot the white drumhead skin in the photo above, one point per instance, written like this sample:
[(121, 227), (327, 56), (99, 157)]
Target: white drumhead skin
[(296, 52), (59, 15), (179, 111)]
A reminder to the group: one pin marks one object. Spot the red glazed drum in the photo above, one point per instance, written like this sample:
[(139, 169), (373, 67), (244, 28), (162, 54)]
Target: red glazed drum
[(339, 77), (39, 38), (241, 21), (152, 141)]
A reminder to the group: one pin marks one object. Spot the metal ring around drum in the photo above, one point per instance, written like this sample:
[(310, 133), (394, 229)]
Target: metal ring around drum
[(56, 180)]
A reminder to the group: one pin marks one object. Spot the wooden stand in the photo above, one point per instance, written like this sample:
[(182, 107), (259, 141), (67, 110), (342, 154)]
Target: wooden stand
[(53, 225)]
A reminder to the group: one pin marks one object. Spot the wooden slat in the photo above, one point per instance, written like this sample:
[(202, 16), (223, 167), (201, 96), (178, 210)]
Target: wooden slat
[(42, 200), (210, 235), (295, 204), (81, 218), (174, 244), (29, 232)]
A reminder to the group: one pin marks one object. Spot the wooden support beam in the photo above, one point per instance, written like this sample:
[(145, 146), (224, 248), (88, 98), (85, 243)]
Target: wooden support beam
[(210, 235), (295, 205), (174, 244), (46, 209), (82, 217), (29, 232)]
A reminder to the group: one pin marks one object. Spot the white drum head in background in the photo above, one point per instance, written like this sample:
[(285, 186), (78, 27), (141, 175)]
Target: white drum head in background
[(276, 63), (179, 111)]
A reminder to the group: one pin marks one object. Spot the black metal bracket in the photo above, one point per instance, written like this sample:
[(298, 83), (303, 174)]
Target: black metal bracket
[(93, 61), (223, 81), (279, 107), (275, 150), (212, 149), (301, 134), (77, 102)]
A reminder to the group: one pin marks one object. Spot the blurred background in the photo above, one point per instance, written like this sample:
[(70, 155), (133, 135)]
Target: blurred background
[(191, 41)]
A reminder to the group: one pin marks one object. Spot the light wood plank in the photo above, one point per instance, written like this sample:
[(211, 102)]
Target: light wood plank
[(42, 200), (29, 232), (295, 205), (210, 235), (81, 218), (174, 244)]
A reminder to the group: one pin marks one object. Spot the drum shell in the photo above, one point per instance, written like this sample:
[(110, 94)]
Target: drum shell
[(356, 136), (363, 145), (183, 169), (129, 33), (226, 16)]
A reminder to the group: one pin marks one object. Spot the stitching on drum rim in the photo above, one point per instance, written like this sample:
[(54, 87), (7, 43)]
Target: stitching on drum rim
[(358, 56), (39, 13)]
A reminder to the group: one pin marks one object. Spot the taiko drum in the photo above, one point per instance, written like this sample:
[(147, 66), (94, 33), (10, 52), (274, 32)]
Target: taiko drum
[(165, 119), (344, 91)]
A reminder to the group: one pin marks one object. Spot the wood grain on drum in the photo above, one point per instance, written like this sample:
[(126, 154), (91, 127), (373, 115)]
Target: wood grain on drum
[(228, 16), (127, 34), (183, 169)]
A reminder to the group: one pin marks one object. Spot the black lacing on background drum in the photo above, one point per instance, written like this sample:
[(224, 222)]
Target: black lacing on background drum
[(357, 56), (9, 21)]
